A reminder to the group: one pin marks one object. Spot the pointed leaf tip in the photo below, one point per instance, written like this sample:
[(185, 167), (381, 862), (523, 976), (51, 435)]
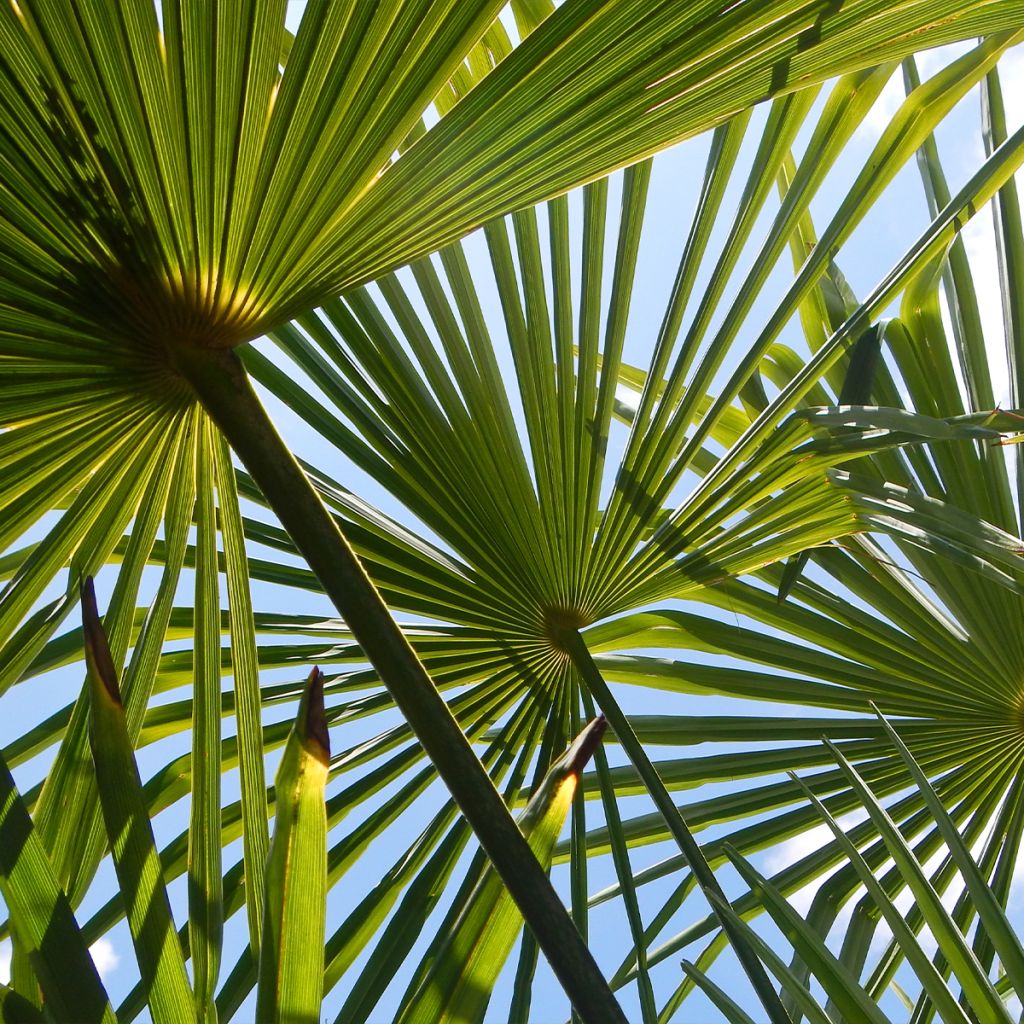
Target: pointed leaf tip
[(791, 573), (97, 650), (314, 719), (860, 370), (582, 748)]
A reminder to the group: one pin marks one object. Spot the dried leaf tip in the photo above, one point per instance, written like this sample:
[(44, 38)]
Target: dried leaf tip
[(312, 719), (97, 650), (582, 748)]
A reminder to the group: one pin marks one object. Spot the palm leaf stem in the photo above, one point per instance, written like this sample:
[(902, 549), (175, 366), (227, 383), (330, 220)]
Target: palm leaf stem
[(578, 651), (224, 390)]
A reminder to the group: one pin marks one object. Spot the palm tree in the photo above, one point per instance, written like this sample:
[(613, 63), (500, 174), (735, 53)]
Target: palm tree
[(177, 187)]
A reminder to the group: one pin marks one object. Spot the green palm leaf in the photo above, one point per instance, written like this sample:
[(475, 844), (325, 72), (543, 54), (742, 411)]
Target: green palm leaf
[(129, 831), (291, 973), (846, 996), (41, 919)]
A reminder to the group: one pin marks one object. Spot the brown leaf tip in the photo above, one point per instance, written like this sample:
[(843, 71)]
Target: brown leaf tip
[(314, 725), (583, 747), (97, 649)]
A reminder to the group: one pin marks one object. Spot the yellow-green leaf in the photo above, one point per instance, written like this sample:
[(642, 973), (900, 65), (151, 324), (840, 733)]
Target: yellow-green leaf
[(458, 985), (291, 955), (125, 814)]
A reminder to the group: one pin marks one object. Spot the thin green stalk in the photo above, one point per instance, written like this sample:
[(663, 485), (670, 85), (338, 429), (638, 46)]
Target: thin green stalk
[(577, 649), (224, 390)]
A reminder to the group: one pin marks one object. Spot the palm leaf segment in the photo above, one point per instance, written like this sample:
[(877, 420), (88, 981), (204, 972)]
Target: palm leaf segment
[(161, 189), (959, 968)]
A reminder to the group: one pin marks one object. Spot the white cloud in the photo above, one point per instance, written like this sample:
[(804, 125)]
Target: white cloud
[(813, 839), (1011, 78), (892, 96), (930, 61), (104, 956), (980, 244), (797, 847), (980, 241), (882, 110)]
